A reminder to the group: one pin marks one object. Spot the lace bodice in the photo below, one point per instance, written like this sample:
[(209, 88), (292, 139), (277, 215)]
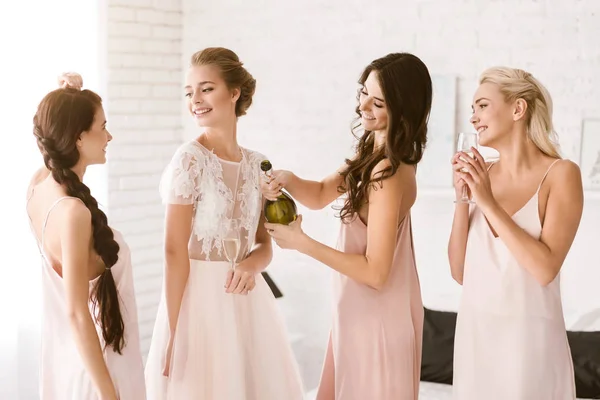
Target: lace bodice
[(219, 190)]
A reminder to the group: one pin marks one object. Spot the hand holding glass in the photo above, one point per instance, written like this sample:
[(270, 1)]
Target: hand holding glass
[(466, 140), (231, 242)]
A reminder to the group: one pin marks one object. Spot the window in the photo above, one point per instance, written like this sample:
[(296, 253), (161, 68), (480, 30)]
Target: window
[(43, 39)]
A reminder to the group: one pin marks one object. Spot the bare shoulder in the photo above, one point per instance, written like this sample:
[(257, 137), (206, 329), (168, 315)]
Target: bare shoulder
[(403, 173), (565, 176), (75, 214), (403, 184), (566, 170), (38, 176), (565, 173), (380, 167)]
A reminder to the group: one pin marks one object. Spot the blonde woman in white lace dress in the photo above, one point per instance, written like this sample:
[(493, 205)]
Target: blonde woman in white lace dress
[(218, 333)]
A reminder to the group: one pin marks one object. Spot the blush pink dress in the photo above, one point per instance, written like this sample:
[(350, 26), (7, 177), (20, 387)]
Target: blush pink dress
[(374, 350), (63, 375), (511, 340)]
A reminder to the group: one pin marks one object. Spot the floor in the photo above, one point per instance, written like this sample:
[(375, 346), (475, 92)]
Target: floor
[(429, 391)]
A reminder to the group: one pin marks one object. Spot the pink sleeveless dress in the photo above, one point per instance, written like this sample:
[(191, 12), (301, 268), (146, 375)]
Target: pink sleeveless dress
[(63, 375), (511, 340), (376, 336)]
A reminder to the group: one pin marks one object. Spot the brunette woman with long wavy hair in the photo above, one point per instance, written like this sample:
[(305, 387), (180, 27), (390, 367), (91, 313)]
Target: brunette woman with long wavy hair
[(374, 349)]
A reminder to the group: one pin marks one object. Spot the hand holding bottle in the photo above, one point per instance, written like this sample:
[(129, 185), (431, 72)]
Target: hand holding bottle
[(271, 188), (279, 207), (290, 236)]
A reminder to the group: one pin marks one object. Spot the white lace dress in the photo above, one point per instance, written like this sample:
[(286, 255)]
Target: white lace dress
[(226, 347)]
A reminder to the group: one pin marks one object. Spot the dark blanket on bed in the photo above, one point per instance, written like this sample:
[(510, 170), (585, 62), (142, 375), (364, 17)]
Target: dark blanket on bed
[(438, 351)]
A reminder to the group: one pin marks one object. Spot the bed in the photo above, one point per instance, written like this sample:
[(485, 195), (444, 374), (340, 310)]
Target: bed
[(435, 391), (438, 347)]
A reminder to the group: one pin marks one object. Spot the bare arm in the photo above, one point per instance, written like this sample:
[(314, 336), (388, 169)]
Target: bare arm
[(543, 258), (311, 194), (457, 245), (75, 239), (372, 268), (178, 229)]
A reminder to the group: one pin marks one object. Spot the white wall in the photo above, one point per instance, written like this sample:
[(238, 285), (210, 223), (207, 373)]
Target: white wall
[(143, 78), (307, 57)]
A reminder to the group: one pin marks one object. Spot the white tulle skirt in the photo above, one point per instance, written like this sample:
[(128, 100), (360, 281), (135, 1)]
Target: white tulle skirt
[(226, 347)]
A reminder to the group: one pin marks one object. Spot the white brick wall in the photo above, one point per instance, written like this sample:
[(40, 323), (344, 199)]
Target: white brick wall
[(144, 107), (307, 56)]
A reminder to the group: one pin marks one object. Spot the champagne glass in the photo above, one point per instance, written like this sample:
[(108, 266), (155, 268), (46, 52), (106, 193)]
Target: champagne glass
[(466, 140), (231, 241)]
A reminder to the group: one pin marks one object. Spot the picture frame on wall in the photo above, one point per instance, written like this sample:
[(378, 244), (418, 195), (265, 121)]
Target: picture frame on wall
[(590, 154)]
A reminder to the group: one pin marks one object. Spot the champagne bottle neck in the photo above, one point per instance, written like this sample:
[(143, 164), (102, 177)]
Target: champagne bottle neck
[(268, 174)]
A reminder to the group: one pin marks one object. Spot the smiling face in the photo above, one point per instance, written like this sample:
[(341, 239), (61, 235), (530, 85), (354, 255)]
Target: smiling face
[(210, 101), (373, 110), (493, 118)]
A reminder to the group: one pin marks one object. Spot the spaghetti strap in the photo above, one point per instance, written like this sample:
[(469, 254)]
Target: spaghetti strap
[(40, 241), (544, 177), (48, 215), (31, 190)]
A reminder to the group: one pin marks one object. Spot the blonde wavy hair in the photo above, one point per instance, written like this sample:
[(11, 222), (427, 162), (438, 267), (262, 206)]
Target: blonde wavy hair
[(518, 84)]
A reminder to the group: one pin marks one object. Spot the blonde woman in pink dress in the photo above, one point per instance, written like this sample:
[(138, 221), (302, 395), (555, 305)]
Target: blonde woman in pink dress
[(90, 341), (374, 349), (507, 249), (218, 334)]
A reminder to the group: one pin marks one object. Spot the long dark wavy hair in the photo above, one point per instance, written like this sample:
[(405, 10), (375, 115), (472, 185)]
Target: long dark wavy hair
[(62, 116), (407, 89)]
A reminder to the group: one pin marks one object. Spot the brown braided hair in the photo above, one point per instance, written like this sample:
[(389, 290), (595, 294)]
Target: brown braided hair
[(62, 116)]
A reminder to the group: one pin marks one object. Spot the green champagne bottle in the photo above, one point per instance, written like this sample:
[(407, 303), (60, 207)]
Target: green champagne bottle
[(283, 210)]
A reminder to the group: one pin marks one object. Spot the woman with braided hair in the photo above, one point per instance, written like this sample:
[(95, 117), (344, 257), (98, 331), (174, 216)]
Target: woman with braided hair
[(90, 341)]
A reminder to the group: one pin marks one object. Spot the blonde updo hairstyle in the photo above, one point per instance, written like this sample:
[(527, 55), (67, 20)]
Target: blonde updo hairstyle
[(518, 84), (233, 72)]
